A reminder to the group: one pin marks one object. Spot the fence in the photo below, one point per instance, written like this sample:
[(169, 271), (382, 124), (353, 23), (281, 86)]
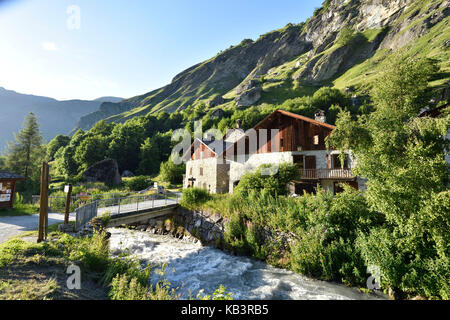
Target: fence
[(58, 204), (116, 206)]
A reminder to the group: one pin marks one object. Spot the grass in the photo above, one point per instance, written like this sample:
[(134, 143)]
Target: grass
[(32, 271), (20, 210)]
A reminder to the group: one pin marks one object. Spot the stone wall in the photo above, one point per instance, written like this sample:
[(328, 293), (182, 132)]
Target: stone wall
[(203, 226), (209, 174)]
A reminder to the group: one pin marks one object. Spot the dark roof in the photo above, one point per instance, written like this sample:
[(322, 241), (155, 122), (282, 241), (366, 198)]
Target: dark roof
[(8, 175), (433, 113)]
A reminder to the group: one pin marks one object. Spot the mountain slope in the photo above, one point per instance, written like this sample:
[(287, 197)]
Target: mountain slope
[(55, 117), (344, 43)]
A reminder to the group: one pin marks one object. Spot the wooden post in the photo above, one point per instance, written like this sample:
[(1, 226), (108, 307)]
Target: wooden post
[(68, 197), (43, 211)]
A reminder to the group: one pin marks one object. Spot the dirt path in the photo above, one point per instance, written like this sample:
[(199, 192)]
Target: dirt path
[(13, 226)]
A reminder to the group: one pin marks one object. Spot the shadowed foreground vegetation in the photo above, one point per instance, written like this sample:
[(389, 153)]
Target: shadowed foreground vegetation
[(38, 271)]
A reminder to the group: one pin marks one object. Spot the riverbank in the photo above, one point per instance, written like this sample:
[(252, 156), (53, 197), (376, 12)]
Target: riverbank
[(322, 236), (191, 267), (208, 229), (39, 271)]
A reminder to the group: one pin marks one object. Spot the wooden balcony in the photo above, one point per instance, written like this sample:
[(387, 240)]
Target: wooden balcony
[(316, 174)]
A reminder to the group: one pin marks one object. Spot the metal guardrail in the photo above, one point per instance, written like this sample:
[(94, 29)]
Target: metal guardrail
[(116, 206), (57, 203)]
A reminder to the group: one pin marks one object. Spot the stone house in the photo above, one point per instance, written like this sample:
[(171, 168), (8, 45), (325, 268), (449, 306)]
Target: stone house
[(282, 137), (206, 167)]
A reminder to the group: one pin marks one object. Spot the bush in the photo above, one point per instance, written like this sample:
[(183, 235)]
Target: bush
[(137, 183), (170, 172), (263, 179), (326, 97), (194, 197), (337, 260)]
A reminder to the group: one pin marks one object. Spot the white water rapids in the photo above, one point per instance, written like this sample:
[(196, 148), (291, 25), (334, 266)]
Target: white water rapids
[(199, 267)]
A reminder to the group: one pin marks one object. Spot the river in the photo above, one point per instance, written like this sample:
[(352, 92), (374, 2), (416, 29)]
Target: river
[(199, 267)]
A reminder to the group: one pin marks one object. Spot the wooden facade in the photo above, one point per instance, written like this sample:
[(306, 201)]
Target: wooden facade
[(296, 133), (8, 188)]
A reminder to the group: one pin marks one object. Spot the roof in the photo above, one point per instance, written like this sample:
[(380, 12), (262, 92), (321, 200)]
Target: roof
[(12, 176), (214, 144), (295, 116), (433, 113)]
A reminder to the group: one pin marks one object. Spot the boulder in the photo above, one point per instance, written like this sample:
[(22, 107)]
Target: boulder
[(249, 97), (216, 101), (106, 171), (246, 86)]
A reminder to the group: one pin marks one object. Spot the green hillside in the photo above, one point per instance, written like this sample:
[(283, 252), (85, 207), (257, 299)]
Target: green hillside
[(345, 44)]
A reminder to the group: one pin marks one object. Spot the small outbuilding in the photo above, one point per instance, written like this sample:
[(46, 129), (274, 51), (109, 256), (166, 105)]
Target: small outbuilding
[(7, 188)]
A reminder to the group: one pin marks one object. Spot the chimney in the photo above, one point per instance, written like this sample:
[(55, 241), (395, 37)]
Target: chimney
[(209, 136), (320, 116), (238, 123)]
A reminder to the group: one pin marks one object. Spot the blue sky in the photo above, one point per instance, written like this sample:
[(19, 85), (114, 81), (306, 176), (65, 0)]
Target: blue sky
[(124, 48)]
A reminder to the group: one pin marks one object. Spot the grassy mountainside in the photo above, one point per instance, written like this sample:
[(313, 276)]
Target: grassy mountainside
[(344, 44)]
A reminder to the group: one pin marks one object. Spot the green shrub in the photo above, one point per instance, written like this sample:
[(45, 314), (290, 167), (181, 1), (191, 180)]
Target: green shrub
[(194, 196), (171, 172), (218, 294), (234, 235), (137, 183), (266, 177)]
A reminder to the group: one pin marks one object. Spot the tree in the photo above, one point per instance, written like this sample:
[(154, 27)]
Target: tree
[(172, 172), (325, 97), (126, 140), (402, 156), (55, 144), (154, 150), (90, 151), (26, 149)]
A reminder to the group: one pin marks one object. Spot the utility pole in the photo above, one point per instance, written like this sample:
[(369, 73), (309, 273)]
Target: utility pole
[(43, 211)]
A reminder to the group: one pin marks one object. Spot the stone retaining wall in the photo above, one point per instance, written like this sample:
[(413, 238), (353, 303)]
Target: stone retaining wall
[(203, 226)]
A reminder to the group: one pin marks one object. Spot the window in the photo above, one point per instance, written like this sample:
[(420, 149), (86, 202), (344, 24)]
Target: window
[(299, 162), (281, 143), (337, 162), (316, 140), (190, 171), (201, 171)]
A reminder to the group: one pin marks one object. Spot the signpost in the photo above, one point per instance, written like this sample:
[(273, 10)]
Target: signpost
[(43, 211), (68, 191)]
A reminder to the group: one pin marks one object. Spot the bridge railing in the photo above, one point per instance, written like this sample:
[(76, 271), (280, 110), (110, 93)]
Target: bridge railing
[(85, 214), (116, 206)]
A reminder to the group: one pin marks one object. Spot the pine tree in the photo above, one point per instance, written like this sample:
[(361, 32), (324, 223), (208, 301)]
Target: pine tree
[(24, 152)]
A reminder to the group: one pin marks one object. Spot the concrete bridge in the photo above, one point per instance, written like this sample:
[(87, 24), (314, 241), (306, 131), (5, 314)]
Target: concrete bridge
[(129, 209), (141, 215)]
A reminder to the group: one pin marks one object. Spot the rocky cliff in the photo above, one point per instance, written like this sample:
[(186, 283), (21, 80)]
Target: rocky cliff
[(341, 44)]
